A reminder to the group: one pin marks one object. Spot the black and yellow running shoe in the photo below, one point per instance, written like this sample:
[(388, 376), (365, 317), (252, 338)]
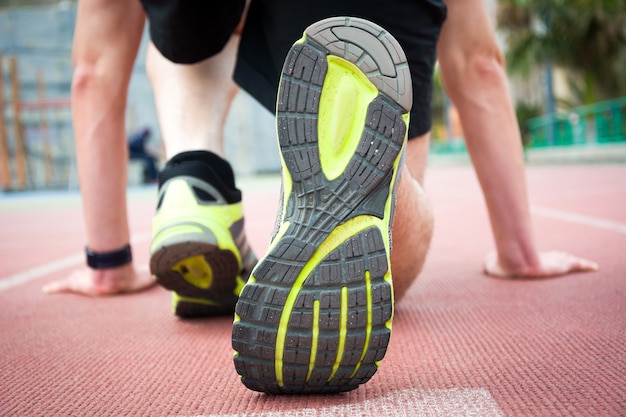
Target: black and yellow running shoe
[(199, 249), (315, 315)]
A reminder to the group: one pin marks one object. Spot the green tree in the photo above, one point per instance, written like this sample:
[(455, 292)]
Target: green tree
[(585, 37)]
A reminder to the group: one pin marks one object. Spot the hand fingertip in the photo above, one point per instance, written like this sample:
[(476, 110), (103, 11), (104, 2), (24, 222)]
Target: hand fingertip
[(589, 266), (51, 288)]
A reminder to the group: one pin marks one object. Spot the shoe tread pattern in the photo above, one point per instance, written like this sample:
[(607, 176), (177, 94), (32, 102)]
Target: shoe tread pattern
[(217, 299), (315, 207)]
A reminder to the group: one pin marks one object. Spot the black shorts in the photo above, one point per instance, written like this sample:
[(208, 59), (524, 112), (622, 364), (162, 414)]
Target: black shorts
[(272, 26), (188, 31)]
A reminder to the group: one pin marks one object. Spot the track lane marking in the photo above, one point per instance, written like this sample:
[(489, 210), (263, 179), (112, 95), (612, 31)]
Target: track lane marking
[(577, 218), (453, 402), (41, 271)]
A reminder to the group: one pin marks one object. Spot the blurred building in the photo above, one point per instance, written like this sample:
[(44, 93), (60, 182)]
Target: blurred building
[(37, 36)]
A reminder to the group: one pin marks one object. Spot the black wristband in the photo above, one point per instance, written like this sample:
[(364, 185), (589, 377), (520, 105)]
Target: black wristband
[(112, 259)]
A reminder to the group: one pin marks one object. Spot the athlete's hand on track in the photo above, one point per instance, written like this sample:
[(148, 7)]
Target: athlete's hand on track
[(553, 263), (94, 283)]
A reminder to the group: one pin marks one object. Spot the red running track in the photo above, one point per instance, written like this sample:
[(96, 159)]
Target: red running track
[(463, 344)]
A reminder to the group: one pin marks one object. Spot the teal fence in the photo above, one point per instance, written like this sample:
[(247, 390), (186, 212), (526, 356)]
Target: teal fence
[(603, 122)]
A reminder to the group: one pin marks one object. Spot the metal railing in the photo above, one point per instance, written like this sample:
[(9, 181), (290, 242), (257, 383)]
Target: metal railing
[(603, 122)]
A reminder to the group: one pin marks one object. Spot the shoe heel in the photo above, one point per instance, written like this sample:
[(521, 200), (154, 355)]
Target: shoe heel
[(316, 314)]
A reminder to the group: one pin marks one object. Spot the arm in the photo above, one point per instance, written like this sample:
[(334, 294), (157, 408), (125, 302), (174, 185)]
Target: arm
[(106, 41), (474, 76)]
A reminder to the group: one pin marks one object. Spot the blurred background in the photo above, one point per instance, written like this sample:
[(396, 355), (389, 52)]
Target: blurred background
[(566, 61)]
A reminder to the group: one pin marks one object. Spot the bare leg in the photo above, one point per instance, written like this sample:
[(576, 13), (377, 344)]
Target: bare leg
[(413, 222), (105, 45), (193, 100)]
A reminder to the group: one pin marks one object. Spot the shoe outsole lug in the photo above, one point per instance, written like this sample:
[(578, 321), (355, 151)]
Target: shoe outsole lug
[(221, 292), (204, 273), (316, 316)]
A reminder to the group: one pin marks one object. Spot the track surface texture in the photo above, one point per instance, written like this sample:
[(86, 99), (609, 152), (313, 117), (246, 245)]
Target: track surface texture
[(463, 344)]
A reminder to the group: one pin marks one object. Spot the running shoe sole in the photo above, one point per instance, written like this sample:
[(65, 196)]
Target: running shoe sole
[(315, 316), (195, 250)]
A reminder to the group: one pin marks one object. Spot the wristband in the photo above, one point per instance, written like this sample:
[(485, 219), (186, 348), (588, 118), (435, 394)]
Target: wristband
[(112, 259)]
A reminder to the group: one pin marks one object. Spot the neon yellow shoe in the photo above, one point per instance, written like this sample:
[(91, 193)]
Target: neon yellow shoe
[(199, 249), (315, 315)]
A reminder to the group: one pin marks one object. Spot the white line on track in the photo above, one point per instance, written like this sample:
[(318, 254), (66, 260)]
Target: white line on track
[(41, 271), (404, 403), (579, 219)]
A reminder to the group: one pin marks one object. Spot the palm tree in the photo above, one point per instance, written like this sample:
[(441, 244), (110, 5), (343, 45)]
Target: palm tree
[(585, 37)]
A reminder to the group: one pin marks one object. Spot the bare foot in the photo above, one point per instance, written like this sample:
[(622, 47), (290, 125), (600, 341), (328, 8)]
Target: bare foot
[(99, 282), (551, 264)]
